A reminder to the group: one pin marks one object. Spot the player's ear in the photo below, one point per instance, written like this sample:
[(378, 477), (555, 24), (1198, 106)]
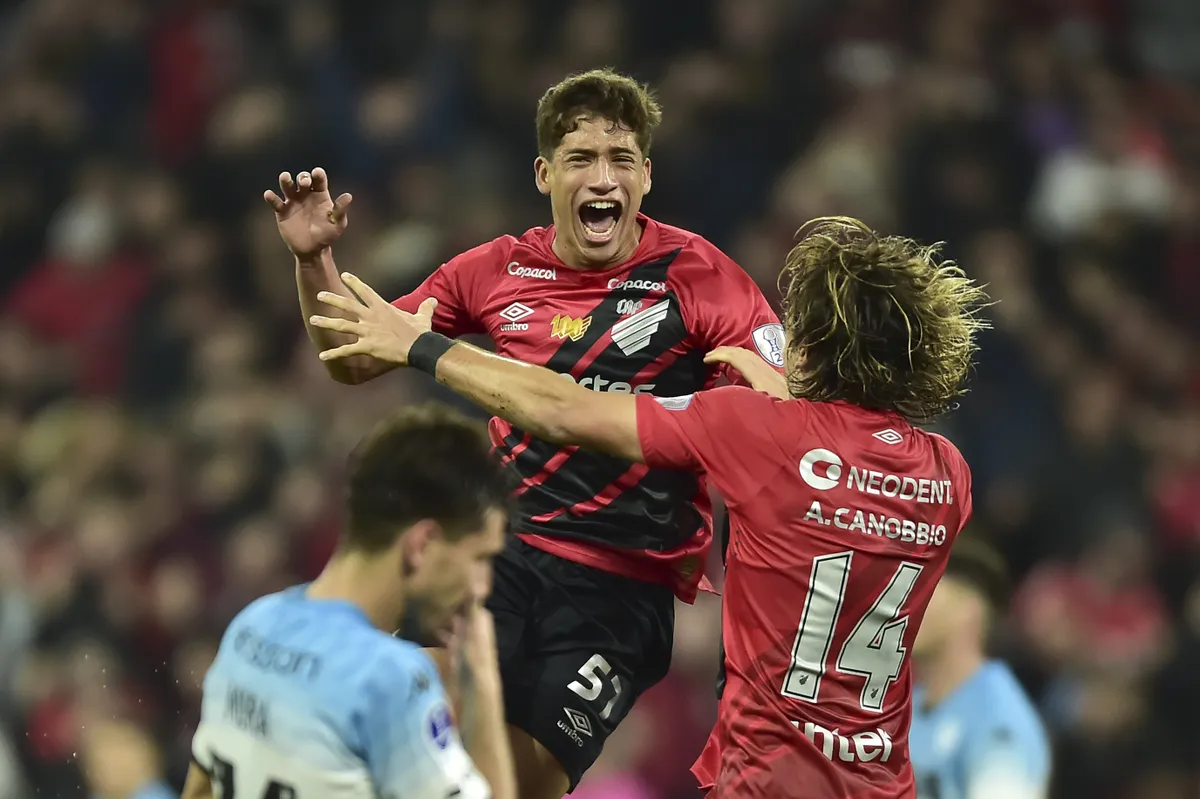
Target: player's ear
[(541, 174), (646, 181), (414, 543)]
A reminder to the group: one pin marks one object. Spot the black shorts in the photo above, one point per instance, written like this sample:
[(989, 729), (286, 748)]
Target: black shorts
[(577, 646)]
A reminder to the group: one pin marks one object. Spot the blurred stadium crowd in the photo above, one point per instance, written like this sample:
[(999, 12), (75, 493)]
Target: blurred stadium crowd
[(170, 446)]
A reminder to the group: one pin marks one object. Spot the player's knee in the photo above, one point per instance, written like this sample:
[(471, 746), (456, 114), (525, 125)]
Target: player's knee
[(539, 774)]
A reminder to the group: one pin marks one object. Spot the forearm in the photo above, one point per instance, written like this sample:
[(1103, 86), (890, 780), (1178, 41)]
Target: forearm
[(486, 735), (531, 397), (541, 402), (312, 277)]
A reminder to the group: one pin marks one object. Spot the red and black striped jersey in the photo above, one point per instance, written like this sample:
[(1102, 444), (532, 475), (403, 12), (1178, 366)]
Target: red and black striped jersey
[(642, 327)]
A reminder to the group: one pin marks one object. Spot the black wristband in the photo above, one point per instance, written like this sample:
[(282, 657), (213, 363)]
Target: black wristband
[(427, 350)]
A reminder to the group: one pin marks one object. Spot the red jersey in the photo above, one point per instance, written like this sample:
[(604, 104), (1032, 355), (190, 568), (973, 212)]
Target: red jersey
[(841, 522), (642, 327)]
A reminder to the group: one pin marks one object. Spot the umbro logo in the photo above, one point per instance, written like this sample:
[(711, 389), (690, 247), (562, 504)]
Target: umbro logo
[(888, 436), (579, 721), (516, 312), (633, 334)]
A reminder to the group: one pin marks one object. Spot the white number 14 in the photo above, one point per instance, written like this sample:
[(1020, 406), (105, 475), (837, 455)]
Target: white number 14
[(874, 650)]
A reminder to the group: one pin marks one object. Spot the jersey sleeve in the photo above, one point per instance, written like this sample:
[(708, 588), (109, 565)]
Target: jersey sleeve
[(724, 433), (411, 745), (456, 286), (736, 315), (999, 762)]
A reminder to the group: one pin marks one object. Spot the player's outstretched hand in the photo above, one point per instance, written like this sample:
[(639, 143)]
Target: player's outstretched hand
[(758, 373), (309, 220), (381, 330)]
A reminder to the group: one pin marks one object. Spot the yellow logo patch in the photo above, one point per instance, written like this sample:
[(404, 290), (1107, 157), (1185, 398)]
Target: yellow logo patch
[(562, 326)]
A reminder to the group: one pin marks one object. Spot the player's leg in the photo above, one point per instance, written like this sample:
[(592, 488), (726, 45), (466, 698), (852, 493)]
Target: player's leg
[(596, 642), (539, 774)]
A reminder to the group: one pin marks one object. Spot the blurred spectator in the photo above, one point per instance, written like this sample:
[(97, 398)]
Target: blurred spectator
[(121, 762), (170, 448)]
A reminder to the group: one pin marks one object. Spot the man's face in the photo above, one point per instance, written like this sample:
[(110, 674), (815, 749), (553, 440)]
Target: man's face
[(596, 180), (450, 576)]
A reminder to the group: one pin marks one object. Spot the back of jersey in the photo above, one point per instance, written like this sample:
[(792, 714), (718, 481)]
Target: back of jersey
[(832, 562), (307, 699)]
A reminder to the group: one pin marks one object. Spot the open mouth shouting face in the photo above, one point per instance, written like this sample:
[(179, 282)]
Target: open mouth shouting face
[(596, 180), (599, 219)]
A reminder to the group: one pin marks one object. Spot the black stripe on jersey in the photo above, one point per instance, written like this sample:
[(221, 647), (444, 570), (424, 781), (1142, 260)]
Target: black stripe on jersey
[(605, 314), (530, 460), (655, 499), (656, 514), (587, 473), (534, 458)]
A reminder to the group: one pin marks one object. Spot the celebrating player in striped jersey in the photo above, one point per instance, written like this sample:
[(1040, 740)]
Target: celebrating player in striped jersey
[(620, 304)]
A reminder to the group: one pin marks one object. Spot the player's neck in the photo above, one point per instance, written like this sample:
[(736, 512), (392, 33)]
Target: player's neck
[(575, 257), (361, 581), (943, 674)]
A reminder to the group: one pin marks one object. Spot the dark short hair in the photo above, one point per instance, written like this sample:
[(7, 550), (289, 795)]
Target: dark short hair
[(977, 563), (882, 322), (599, 93), (423, 462)]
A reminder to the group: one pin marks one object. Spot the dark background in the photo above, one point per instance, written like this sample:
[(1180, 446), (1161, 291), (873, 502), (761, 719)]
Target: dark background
[(170, 446)]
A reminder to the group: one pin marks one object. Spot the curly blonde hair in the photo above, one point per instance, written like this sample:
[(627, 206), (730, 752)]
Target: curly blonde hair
[(880, 322)]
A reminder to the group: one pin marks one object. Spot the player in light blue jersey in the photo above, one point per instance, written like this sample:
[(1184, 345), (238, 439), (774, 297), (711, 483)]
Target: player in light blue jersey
[(975, 734), (311, 697)]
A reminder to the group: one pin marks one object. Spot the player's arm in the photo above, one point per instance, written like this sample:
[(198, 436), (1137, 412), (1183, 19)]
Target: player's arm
[(318, 274), (198, 784), (452, 317), (542, 402), (309, 222), (709, 432), (752, 370), (535, 399)]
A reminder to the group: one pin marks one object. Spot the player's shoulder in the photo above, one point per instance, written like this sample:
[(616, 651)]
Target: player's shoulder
[(944, 446), (737, 413), (735, 398), (410, 662), (1002, 707), (331, 639), (1005, 695), (696, 253), (946, 454), (265, 607)]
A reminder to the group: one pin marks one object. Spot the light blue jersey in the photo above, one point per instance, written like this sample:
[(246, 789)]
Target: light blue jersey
[(983, 741), (307, 700)]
